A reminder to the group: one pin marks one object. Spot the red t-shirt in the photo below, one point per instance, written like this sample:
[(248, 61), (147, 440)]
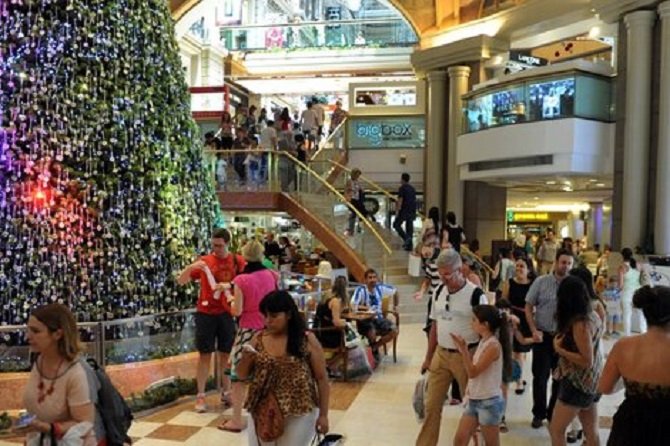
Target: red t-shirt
[(224, 270)]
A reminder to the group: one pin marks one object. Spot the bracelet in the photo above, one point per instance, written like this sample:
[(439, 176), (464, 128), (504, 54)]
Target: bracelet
[(57, 431)]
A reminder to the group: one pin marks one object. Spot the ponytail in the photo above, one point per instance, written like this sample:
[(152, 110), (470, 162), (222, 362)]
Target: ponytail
[(505, 338)]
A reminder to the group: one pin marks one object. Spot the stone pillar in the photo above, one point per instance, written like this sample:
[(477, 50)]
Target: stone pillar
[(458, 86), (639, 26), (662, 216), (434, 154), (595, 224)]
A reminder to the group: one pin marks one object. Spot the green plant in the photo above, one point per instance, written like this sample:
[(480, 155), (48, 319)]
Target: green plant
[(5, 421)]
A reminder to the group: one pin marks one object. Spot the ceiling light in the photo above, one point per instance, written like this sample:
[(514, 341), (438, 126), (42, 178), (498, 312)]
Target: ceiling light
[(567, 183), (593, 180), (567, 189), (600, 184), (551, 182), (536, 198), (594, 32)]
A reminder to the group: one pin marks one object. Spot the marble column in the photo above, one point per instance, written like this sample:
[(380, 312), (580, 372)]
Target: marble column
[(595, 224), (639, 26), (434, 154), (458, 86), (662, 216)]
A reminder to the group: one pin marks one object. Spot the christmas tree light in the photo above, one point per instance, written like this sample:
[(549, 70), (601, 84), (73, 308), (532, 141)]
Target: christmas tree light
[(104, 195)]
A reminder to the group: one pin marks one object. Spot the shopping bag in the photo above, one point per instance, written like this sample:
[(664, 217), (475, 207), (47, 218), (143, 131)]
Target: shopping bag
[(414, 265), (418, 398), (357, 362), (371, 358)]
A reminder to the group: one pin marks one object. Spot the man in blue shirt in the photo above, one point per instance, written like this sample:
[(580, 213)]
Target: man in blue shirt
[(405, 212), (369, 296)]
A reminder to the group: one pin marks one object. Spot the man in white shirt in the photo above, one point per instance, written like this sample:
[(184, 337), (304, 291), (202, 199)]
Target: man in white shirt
[(320, 117), (269, 137), (309, 125), (451, 312)]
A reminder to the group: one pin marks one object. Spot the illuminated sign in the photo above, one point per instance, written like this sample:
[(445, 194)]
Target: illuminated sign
[(527, 216), (387, 132)]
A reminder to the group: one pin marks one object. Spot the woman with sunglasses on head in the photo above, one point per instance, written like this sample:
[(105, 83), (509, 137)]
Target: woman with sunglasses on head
[(57, 392), (287, 361)]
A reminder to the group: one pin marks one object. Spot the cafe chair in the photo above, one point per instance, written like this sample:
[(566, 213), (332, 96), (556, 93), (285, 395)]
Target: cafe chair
[(339, 353), (386, 312)]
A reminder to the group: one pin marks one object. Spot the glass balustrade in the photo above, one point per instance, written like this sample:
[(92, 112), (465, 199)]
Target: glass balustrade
[(390, 32), (149, 337), (568, 95)]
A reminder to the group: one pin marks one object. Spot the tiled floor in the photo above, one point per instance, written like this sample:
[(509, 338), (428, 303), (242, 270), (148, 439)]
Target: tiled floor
[(373, 412)]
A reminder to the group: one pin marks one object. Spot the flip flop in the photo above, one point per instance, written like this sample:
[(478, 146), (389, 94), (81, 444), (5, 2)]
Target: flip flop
[(224, 427)]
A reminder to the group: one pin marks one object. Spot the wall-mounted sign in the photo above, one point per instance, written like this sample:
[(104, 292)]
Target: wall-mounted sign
[(527, 216), (525, 58), (404, 132)]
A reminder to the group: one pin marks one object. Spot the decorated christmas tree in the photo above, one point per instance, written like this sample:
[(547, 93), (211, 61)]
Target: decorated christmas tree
[(104, 195)]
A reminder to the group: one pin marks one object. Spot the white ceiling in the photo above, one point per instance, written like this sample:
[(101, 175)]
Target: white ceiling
[(557, 193)]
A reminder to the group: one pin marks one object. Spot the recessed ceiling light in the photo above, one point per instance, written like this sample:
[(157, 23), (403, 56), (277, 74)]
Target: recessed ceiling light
[(600, 184), (551, 182), (567, 188), (593, 180), (536, 198)]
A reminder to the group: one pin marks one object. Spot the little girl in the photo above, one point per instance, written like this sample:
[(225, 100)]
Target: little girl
[(485, 404)]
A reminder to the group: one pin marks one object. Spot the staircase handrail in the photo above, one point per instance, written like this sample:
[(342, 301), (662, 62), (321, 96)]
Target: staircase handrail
[(342, 198), (323, 182), (466, 250), (331, 135)]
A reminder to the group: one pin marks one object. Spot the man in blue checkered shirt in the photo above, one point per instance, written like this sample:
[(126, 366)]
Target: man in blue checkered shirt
[(377, 330)]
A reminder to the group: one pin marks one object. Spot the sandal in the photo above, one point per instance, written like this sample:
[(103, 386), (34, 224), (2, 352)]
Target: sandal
[(224, 426), (522, 389)]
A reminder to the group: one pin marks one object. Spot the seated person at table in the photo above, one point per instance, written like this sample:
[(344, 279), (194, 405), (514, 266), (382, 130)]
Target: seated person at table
[(369, 296)]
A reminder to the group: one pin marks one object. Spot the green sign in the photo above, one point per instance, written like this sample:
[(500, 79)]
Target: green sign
[(387, 132)]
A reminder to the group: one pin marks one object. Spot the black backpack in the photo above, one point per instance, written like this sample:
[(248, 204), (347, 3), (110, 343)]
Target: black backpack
[(115, 413)]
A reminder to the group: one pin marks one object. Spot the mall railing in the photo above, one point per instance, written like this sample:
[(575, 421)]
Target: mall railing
[(386, 32), (133, 340), (330, 149), (279, 171)]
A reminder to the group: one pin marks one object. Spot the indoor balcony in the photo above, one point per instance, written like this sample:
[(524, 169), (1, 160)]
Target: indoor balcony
[(554, 120)]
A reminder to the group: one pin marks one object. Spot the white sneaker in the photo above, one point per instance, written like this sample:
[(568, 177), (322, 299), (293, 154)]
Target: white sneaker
[(200, 404)]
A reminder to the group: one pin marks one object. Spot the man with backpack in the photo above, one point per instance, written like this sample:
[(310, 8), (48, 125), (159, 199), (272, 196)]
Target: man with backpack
[(214, 325), (451, 313)]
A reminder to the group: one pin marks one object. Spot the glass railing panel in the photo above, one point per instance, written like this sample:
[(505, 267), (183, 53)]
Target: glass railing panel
[(389, 32), (558, 96), (148, 338), (14, 350), (240, 170)]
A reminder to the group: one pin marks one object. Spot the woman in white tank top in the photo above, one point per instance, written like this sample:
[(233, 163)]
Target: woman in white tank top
[(485, 405)]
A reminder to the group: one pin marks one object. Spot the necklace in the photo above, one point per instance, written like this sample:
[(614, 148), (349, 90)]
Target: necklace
[(42, 394)]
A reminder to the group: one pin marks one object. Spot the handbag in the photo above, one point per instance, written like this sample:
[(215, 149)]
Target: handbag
[(268, 419), (350, 337), (327, 440)]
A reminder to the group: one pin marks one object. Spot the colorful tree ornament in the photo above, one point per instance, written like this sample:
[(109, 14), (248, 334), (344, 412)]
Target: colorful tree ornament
[(104, 195)]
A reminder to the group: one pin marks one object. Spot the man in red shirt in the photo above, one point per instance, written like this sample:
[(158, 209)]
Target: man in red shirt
[(214, 325)]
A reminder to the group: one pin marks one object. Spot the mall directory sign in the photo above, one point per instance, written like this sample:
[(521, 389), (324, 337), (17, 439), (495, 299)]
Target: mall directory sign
[(387, 132)]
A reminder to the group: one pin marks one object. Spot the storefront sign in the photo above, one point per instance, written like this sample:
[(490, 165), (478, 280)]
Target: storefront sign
[(525, 58), (527, 216), (387, 132)]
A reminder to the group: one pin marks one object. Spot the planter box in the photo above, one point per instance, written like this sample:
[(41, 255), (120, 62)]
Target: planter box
[(128, 378)]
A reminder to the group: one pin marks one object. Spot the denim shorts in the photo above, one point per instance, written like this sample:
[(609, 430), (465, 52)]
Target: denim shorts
[(488, 412), (572, 396)]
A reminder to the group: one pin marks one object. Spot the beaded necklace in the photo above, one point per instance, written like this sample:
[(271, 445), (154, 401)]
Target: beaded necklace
[(42, 394)]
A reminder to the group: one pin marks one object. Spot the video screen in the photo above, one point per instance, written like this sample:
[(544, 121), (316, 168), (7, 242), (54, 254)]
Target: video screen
[(403, 96), (552, 99)]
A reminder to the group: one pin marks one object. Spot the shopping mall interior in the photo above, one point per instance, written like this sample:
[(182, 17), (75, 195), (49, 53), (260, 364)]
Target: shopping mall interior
[(130, 130)]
